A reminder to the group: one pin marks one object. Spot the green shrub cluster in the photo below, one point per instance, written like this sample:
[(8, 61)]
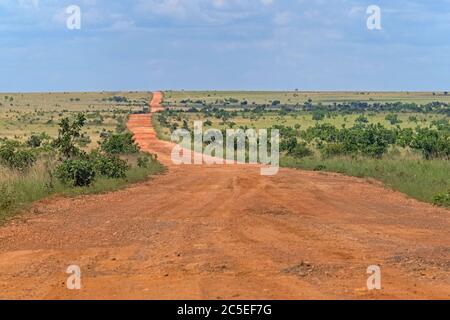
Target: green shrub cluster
[(109, 166), (75, 167), (79, 169), (371, 140), (121, 143), (14, 156), (76, 172)]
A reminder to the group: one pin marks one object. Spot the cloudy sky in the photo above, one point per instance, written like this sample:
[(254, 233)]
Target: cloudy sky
[(224, 44)]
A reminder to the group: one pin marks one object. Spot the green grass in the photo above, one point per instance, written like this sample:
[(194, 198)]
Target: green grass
[(419, 179), (17, 190)]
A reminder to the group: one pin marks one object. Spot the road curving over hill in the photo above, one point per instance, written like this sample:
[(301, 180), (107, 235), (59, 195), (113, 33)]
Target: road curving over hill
[(226, 232)]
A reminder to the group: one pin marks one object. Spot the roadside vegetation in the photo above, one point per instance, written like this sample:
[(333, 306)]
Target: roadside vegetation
[(68, 163), (406, 145)]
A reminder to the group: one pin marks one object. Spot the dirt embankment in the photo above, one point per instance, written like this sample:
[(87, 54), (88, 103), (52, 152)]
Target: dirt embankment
[(226, 232)]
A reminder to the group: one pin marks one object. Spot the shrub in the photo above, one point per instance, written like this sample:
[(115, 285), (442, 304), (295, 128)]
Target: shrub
[(34, 141), (119, 144), (432, 143), (288, 144), (17, 159), (77, 173), (110, 166)]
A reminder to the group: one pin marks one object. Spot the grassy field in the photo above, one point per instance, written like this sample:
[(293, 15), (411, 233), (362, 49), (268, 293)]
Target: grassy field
[(293, 97), (22, 115)]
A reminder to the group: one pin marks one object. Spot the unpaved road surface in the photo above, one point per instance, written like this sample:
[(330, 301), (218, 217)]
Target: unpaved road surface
[(226, 232)]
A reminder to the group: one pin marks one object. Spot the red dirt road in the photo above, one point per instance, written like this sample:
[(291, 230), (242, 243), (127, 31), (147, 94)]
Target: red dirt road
[(226, 232)]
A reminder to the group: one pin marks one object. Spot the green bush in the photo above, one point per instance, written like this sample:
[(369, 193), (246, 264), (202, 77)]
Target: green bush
[(110, 166), (34, 141), (14, 158), (288, 144), (301, 150), (432, 143), (77, 173), (119, 144)]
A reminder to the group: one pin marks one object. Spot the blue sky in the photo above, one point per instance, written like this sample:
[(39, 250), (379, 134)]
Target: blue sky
[(224, 45)]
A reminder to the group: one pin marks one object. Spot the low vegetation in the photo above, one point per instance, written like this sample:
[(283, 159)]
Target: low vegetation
[(43, 166), (404, 144)]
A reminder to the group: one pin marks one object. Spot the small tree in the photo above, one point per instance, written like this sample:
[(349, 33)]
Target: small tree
[(69, 132)]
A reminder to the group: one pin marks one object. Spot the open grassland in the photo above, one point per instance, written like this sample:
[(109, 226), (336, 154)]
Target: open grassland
[(180, 98), (25, 114)]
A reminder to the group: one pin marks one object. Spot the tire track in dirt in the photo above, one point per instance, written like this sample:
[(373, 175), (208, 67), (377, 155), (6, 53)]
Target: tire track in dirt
[(227, 232)]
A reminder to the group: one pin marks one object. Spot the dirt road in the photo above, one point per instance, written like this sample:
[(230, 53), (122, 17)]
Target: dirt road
[(228, 233)]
